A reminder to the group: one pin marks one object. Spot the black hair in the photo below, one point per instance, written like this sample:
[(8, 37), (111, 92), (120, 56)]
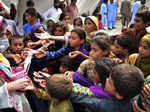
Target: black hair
[(59, 24), (78, 19), (124, 41), (81, 33), (30, 3), (145, 16), (15, 37), (102, 42), (103, 67), (32, 12), (65, 61), (128, 80)]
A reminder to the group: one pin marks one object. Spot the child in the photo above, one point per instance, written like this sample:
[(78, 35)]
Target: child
[(58, 90), (100, 73), (76, 40), (100, 47), (65, 65), (78, 22), (13, 54), (121, 48), (142, 59), (50, 25), (91, 27), (124, 83), (99, 17)]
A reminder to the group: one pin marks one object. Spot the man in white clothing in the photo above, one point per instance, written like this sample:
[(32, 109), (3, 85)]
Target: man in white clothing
[(53, 12)]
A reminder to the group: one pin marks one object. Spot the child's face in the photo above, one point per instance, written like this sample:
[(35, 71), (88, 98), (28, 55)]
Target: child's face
[(118, 50), (67, 20), (59, 31), (89, 26), (109, 86), (63, 68), (77, 24), (96, 52), (41, 29), (144, 50), (17, 45), (29, 18), (74, 40), (95, 76)]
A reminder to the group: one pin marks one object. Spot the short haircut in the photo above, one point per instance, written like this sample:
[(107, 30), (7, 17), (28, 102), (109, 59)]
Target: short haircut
[(128, 80), (32, 12), (103, 67), (124, 41), (145, 16), (16, 37), (59, 87), (65, 61), (30, 3), (81, 33), (59, 24)]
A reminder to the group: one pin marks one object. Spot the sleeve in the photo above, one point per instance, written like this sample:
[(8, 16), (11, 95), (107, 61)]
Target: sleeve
[(40, 93), (132, 59), (79, 89), (4, 97), (57, 54), (46, 14), (83, 67), (78, 78), (94, 104)]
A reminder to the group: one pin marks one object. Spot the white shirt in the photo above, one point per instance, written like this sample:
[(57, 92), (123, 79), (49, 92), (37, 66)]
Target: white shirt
[(52, 12)]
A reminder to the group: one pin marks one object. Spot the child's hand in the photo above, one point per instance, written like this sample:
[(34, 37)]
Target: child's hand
[(74, 54), (41, 82), (69, 75), (42, 36), (30, 86), (136, 108), (45, 70), (40, 54), (17, 58), (146, 91), (31, 45)]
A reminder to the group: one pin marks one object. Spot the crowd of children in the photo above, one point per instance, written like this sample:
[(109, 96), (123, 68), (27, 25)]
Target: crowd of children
[(70, 63)]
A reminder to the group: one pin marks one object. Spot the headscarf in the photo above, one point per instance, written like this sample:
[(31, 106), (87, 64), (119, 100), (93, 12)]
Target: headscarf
[(144, 63), (35, 27), (94, 20)]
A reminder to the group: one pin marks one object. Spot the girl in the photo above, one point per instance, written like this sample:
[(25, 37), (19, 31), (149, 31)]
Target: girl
[(142, 59), (78, 22), (76, 41), (100, 47), (100, 73)]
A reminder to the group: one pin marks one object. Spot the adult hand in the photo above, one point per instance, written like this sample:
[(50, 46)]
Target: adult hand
[(19, 84)]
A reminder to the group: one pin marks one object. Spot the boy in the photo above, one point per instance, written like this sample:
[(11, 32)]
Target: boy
[(30, 15), (58, 89), (121, 48), (124, 83), (13, 54)]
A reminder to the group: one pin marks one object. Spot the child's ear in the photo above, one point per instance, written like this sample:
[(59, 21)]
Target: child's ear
[(105, 53), (126, 51), (118, 96), (82, 41)]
